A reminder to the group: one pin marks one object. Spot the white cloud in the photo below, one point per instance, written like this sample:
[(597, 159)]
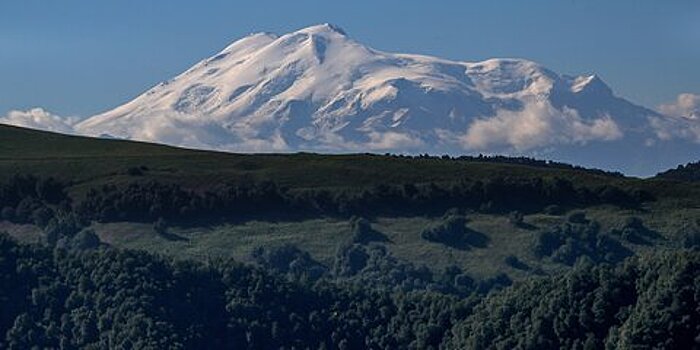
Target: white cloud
[(186, 130), (38, 118), (668, 128), (681, 119), (390, 140), (686, 105), (537, 125)]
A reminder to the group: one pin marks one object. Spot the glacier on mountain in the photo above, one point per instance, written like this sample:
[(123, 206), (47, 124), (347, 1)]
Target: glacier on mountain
[(318, 89)]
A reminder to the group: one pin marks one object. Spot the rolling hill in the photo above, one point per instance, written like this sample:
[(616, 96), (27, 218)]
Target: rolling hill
[(81, 158), (373, 243)]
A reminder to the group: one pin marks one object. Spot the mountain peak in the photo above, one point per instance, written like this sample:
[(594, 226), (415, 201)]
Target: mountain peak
[(251, 41), (316, 89), (590, 84), (324, 28)]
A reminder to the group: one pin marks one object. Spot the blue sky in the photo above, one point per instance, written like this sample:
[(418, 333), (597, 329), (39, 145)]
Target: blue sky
[(80, 57)]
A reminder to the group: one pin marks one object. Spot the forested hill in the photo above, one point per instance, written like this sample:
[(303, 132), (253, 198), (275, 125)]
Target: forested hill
[(128, 300), (687, 172), (110, 180), (127, 245)]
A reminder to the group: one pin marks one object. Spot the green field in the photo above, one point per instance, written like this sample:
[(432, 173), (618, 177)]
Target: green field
[(322, 237)]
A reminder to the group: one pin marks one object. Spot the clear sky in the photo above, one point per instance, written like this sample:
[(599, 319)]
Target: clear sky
[(80, 57)]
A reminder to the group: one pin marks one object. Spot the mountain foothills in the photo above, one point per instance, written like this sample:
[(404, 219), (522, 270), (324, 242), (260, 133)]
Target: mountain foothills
[(129, 245), (317, 89)]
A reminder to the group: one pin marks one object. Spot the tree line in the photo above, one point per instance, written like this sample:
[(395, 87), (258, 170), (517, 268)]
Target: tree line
[(230, 201), (500, 159), (27, 199)]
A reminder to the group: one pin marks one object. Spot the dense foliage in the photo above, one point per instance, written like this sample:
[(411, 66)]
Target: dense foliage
[(105, 298), (452, 230), (649, 302), (687, 172), (153, 200), (27, 199), (576, 238)]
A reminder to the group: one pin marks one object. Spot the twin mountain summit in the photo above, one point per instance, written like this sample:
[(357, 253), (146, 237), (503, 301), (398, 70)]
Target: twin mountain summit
[(319, 90)]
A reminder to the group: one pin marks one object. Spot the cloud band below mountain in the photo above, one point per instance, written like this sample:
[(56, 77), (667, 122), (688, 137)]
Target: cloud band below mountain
[(39, 118), (686, 105), (537, 125)]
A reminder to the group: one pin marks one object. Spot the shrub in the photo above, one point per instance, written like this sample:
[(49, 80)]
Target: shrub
[(514, 262), (516, 218), (553, 210), (690, 237), (41, 216), (363, 233), (134, 171), (577, 217), (289, 259), (570, 241), (634, 231), (83, 240), (160, 226), (86, 239), (61, 225), (8, 214), (449, 231)]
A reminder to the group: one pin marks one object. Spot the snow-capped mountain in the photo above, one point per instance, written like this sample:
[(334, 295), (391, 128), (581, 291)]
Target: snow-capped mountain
[(317, 89)]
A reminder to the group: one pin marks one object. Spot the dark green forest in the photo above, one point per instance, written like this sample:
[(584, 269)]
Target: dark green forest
[(338, 252), (105, 298)]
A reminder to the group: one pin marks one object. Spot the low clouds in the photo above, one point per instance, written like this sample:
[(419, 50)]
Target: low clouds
[(368, 140), (680, 120), (38, 118), (185, 130), (385, 141), (537, 125), (669, 128), (686, 105)]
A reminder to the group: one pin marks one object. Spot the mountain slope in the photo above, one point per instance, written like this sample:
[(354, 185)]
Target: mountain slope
[(318, 89)]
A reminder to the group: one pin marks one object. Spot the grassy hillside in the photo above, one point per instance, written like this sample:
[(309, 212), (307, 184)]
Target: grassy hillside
[(88, 163), (91, 160), (322, 238)]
